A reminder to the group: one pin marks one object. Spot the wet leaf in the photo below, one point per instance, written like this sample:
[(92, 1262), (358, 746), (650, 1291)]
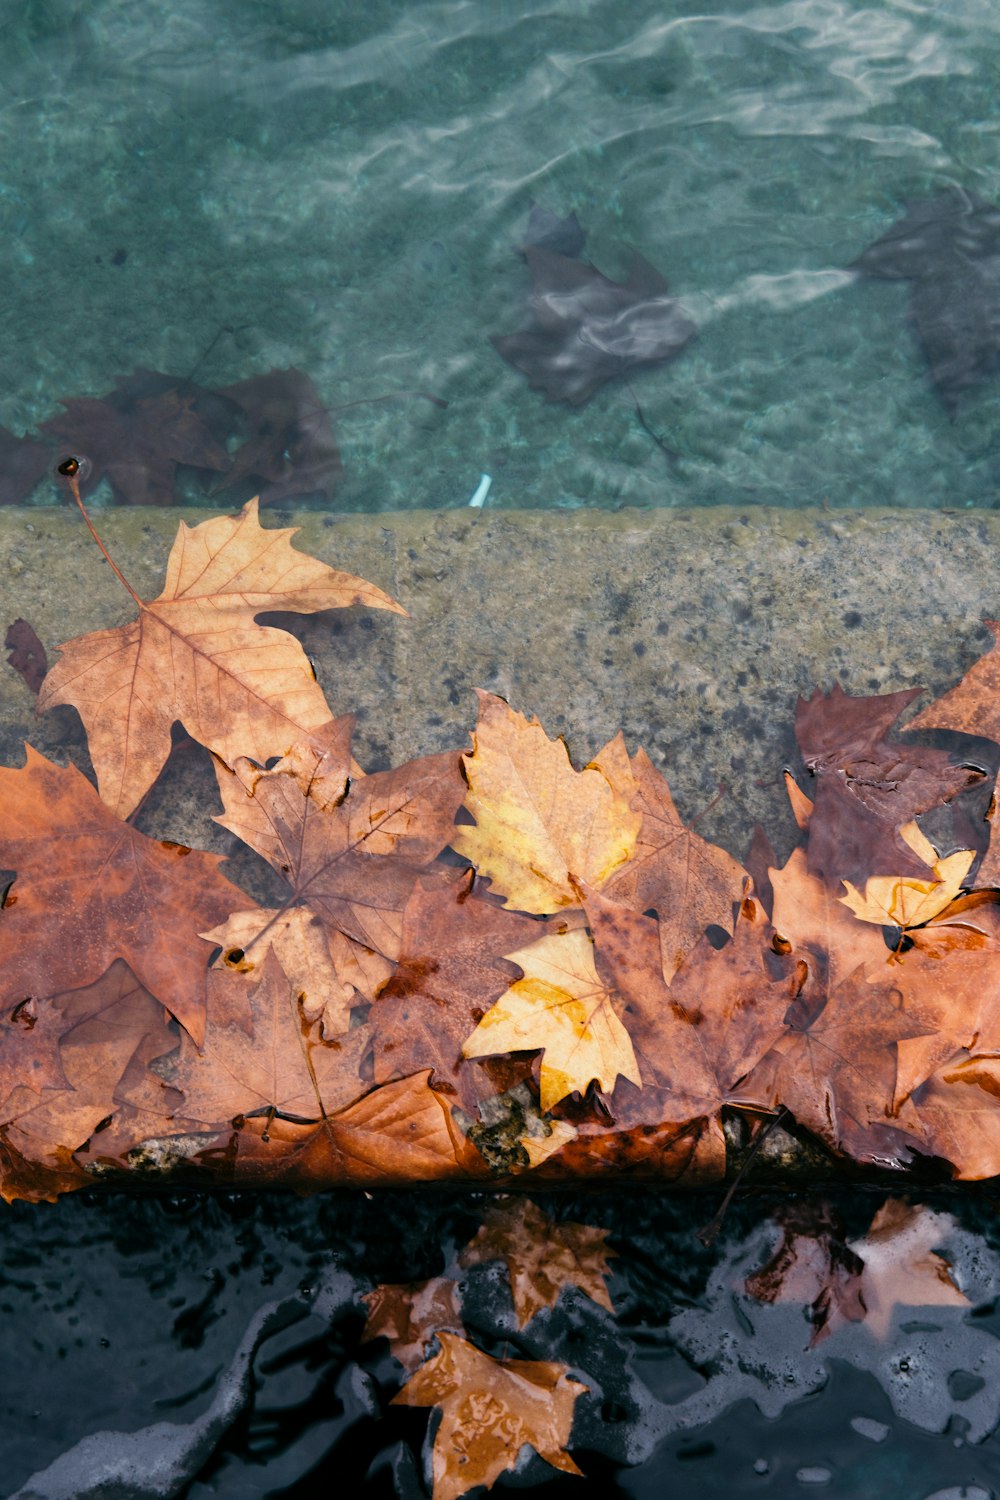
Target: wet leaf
[(542, 1256), (490, 1409)]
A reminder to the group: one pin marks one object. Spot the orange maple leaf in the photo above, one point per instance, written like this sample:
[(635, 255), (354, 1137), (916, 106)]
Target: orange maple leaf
[(196, 655), (91, 889), (541, 1255), (490, 1410)]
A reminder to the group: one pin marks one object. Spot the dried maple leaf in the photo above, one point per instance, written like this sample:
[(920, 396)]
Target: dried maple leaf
[(409, 1314), (355, 862), (449, 972), (27, 654), (543, 830), (835, 1068), (955, 1115), (561, 1006), (490, 1410), (291, 449), (136, 440), (91, 889), (29, 1050), (197, 655), (541, 1255), (867, 787), (102, 1026), (400, 1133), (690, 883), (280, 1067), (948, 980), (699, 1036), (811, 916), (301, 945)]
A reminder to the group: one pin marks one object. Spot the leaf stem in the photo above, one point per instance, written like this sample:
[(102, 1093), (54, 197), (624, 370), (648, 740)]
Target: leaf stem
[(69, 470)]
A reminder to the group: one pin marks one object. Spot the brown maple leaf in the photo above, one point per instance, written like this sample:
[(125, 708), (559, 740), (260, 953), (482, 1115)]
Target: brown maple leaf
[(812, 916), (690, 883), (136, 438), (450, 972), (490, 1409), (303, 949), (971, 707), (29, 1050), (280, 1067), (353, 862), (196, 655), (955, 1115), (867, 787), (698, 1037), (541, 1255), (834, 1068), (947, 979), (409, 1314), (400, 1133), (101, 1026), (91, 889)]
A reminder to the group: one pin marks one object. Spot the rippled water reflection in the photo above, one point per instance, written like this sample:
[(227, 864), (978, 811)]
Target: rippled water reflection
[(226, 189)]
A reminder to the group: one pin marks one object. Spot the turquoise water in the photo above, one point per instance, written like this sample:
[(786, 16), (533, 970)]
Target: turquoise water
[(223, 188)]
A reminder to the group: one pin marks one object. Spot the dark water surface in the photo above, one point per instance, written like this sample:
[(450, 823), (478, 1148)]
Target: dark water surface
[(119, 1314)]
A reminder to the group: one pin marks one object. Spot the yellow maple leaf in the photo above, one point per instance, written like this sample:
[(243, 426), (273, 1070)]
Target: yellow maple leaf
[(895, 901), (543, 830), (562, 1007)]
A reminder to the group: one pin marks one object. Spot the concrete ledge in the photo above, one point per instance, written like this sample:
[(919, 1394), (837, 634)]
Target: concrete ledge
[(692, 630)]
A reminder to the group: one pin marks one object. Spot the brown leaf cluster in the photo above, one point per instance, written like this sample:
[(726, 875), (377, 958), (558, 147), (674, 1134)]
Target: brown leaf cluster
[(489, 964)]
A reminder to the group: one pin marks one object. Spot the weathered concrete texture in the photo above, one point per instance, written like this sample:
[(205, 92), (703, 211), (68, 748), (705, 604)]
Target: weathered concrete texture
[(691, 630)]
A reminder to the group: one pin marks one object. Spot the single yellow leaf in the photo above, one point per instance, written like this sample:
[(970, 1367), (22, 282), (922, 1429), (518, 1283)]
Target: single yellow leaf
[(892, 901), (562, 1007), (543, 830)]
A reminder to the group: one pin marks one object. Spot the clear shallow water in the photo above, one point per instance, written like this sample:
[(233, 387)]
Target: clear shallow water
[(224, 189)]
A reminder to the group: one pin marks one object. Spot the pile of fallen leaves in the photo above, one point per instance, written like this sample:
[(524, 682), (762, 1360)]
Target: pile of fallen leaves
[(488, 965)]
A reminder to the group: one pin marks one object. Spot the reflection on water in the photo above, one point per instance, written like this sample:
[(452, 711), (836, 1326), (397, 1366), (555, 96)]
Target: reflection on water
[(229, 1336), (221, 192)]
